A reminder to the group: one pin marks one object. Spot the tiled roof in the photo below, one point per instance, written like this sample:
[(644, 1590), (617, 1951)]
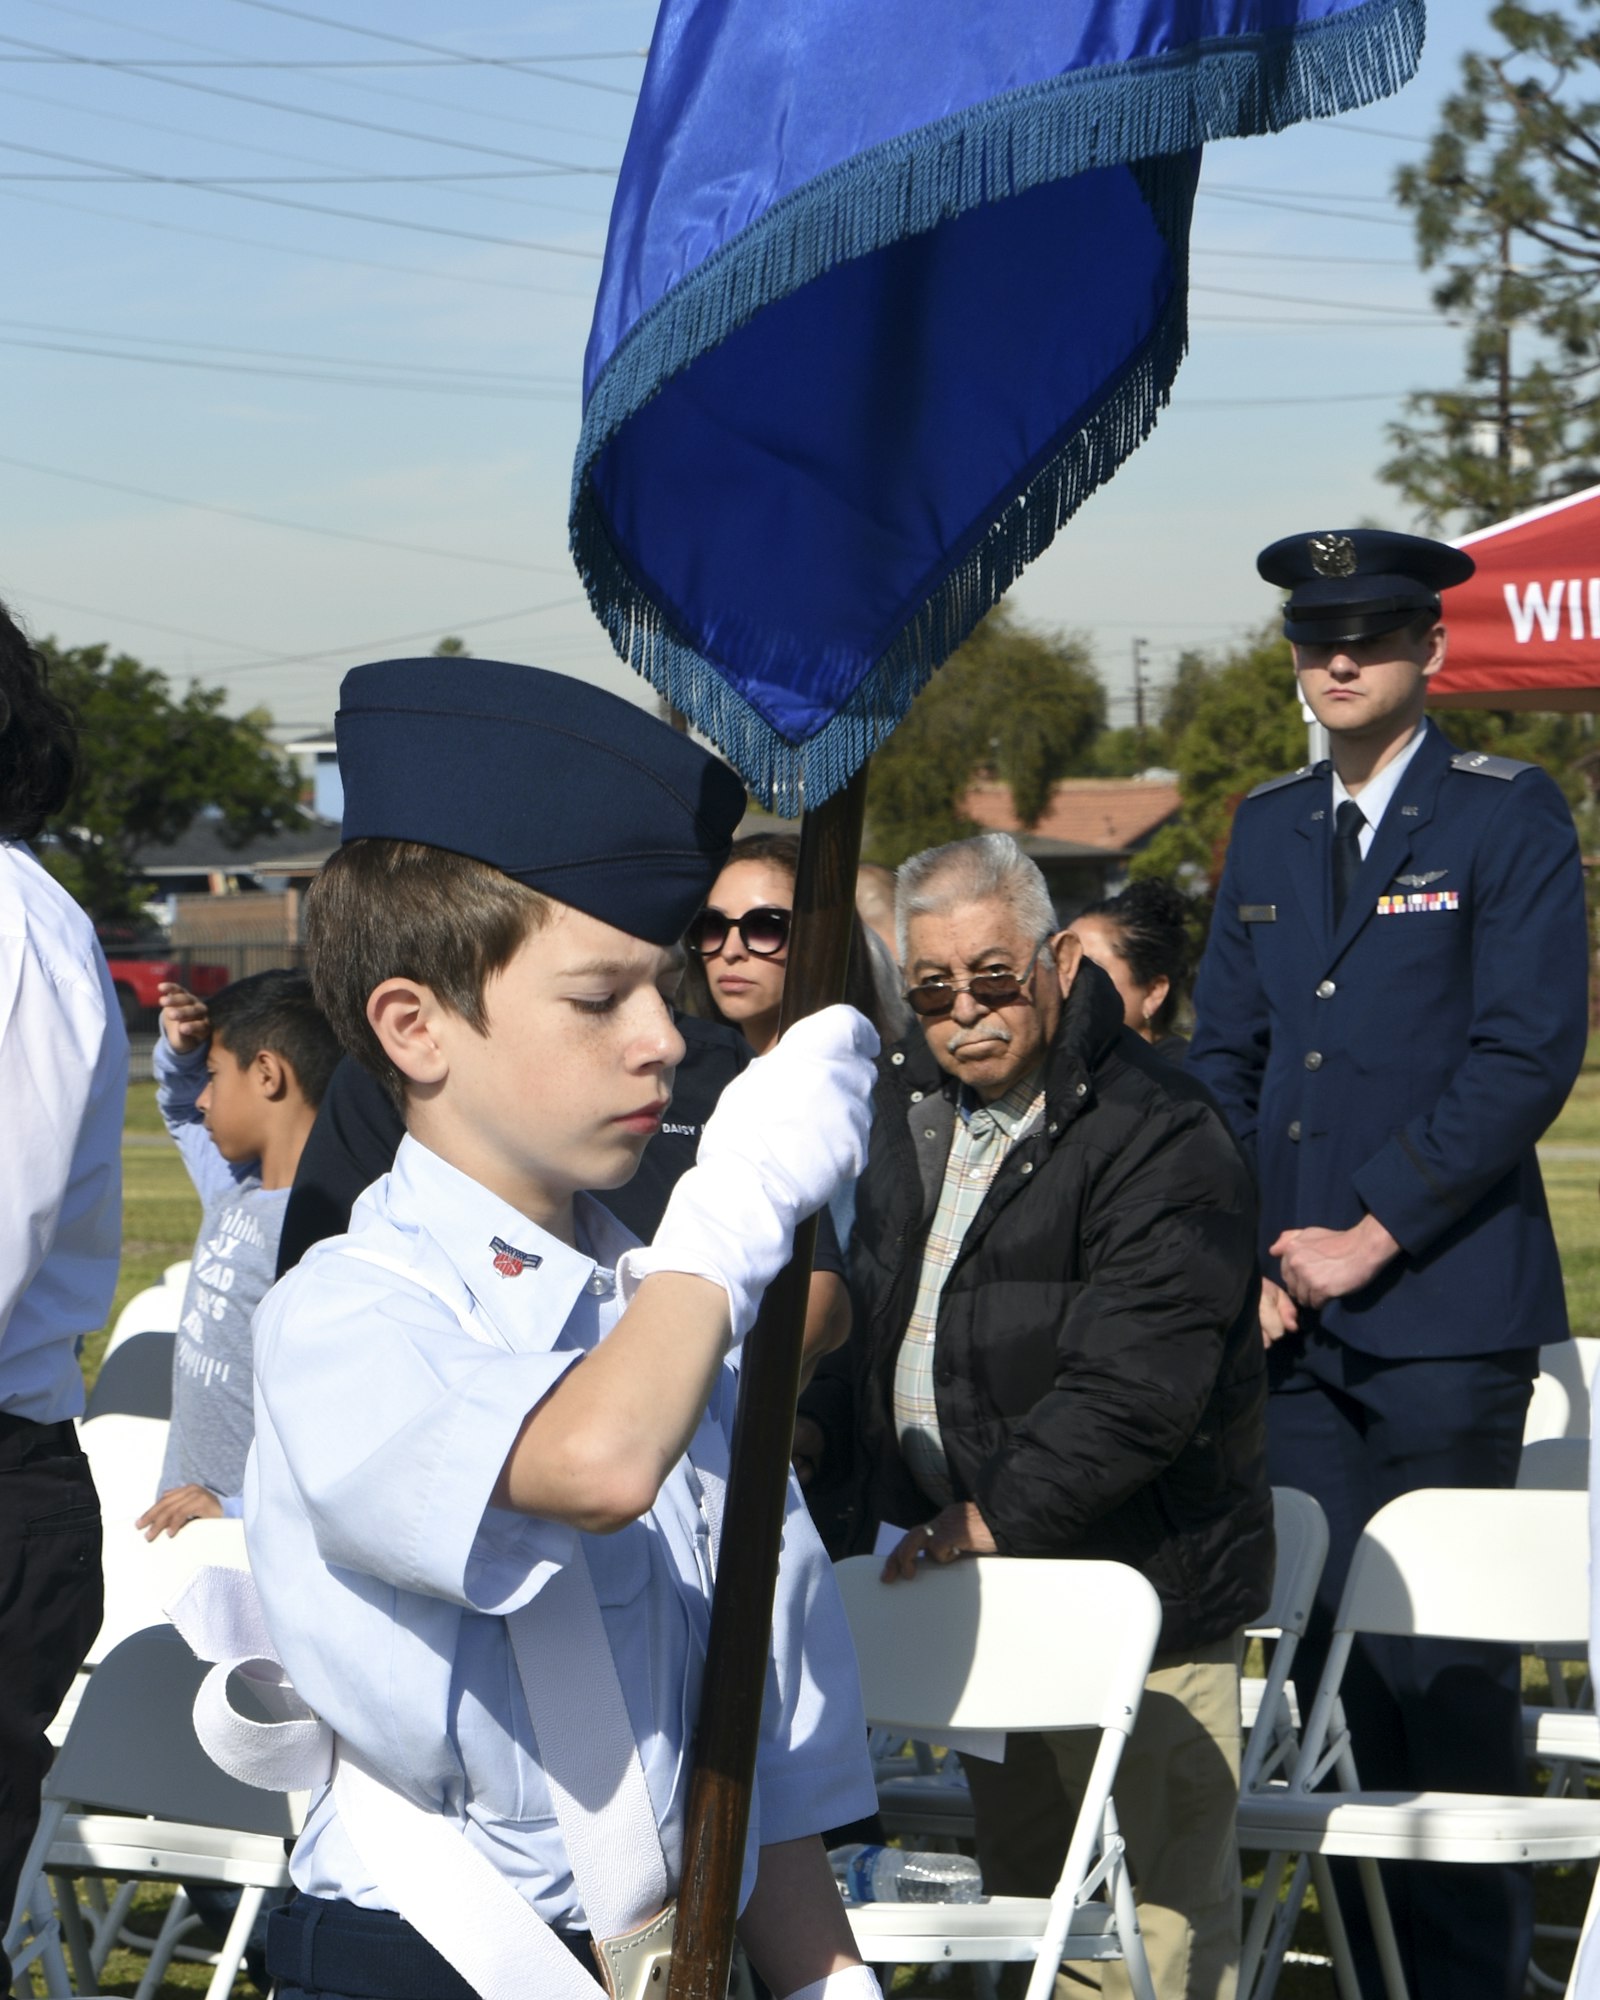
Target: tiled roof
[(1112, 815)]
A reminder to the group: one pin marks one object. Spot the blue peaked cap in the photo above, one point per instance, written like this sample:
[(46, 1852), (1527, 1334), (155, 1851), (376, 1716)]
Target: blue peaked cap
[(1346, 584), (570, 790)]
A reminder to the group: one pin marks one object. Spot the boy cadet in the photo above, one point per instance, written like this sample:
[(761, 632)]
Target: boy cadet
[(1391, 1010), (491, 1431), (238, 1086)]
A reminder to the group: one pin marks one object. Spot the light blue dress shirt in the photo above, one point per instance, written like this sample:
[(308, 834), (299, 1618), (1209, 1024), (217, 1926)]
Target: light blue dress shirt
[(63, 1098), (381, 1427)]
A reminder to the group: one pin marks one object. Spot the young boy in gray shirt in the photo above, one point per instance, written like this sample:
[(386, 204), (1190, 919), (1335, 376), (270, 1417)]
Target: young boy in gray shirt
[(237, 1084)]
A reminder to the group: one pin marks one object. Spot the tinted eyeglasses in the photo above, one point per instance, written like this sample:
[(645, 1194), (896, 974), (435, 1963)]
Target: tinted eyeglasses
[(763, 933), (996, 986)]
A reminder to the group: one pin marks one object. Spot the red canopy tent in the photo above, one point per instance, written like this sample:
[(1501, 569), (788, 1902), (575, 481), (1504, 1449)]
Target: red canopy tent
[(1525, 631)]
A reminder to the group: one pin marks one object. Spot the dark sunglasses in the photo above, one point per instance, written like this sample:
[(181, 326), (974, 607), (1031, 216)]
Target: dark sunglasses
[(763, 933), (935, 998)]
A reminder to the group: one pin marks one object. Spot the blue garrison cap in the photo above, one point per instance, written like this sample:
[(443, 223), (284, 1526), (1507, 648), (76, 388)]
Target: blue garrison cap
[(576, 793), (1354, 583)]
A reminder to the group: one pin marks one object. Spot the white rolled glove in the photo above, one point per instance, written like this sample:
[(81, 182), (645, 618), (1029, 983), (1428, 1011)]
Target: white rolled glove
[(851, 1982), (785, 1133)]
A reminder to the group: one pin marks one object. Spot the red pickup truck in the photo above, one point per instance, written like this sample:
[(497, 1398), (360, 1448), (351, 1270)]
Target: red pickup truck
[(141, 962)]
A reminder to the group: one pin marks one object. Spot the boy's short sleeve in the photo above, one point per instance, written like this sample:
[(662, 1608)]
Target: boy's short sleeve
[(391, 1423)]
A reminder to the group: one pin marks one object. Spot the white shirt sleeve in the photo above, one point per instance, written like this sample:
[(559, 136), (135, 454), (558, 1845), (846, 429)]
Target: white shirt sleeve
[(50, 1037)]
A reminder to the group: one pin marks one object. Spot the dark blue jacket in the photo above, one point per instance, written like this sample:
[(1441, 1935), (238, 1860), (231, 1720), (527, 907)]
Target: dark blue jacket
[(1407, 1063)]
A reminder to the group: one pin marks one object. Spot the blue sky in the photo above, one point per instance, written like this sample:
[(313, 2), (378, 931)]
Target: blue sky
[(391, 389)]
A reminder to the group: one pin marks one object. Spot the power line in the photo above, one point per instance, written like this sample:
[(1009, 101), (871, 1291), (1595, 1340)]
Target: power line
[(431, 102), (1293, 194), (293, 110), (337, 62), (499, 376), (127, 618), (135, 174), (430, 48), (294, 249), (1304, 257), (169, 132), (277, 521), (369, 646), (1326, 305), (1301, 208), (327, 180), (330, 376)]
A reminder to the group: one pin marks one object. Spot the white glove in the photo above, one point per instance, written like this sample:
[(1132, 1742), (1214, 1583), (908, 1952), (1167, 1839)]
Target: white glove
[(851, 1982), (785, 1133)]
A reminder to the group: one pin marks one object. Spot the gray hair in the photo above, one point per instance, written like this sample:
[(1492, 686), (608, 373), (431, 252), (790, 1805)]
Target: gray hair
[(990, 868)]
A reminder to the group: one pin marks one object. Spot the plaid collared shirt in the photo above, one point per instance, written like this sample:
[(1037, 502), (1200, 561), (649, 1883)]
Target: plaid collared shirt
[(984, 1134)]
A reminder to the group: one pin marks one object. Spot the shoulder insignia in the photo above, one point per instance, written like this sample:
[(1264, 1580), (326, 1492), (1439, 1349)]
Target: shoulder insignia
[(1480, 764), (1277, 784)]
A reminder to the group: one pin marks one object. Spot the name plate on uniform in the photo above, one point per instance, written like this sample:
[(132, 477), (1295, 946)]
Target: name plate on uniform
[(1258, 913)]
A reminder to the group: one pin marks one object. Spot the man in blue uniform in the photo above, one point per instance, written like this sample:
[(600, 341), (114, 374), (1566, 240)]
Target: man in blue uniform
[(1392, 1009)]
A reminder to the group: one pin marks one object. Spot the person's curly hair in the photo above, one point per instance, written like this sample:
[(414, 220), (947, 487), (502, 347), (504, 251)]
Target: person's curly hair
[(38, 738)]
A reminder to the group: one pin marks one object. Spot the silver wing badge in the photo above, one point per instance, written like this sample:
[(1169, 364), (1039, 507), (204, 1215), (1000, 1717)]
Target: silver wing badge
[(1421, 881)]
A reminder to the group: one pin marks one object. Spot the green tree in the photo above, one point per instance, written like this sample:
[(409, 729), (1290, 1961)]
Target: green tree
[(148, 766), (1228, 723), (1507, 209), (1025, 705), (452, 648)]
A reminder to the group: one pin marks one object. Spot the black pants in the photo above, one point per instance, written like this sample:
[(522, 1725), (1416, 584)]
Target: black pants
[(321, 1950), (51, 1598), (1424, 1714)]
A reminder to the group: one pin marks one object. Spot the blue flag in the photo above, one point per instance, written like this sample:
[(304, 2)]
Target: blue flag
[(891, 287)]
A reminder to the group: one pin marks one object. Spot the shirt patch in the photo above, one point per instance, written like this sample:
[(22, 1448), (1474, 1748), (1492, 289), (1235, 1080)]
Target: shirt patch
[(509, 1261), (1419, 902)]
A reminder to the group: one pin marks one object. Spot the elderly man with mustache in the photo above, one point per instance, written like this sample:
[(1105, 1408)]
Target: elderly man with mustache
[(1054, 1275)]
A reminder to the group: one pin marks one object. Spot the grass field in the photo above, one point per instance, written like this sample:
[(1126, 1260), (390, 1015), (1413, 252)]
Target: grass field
[(161, 1215)]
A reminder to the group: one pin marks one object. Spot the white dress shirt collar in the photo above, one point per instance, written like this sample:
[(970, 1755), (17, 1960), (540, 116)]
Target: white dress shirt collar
[(1377, 792)]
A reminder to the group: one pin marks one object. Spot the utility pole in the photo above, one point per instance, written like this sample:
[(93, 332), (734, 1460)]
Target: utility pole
[(1141, 661)]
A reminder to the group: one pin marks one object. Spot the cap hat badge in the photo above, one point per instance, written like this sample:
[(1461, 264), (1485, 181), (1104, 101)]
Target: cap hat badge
[(1332, 555)]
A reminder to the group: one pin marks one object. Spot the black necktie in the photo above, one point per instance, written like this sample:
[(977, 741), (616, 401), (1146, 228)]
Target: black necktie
[(1347, 824)]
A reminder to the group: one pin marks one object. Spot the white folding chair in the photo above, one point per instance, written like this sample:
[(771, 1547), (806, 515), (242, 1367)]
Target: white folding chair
[(1559, 1405), (154, 1310), (1272, 1740), (132, 1795), (999, 1643), (1442, 1563)]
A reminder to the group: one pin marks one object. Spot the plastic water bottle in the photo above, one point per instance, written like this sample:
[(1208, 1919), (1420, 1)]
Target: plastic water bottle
[(901, 1875)]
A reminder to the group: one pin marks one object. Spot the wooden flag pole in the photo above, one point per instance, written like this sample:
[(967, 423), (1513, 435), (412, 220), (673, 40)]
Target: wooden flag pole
[(718, 1814)]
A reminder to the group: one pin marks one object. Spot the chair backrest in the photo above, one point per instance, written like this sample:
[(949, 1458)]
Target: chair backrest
[(136, 1380), (142, 1578), (1554, 1465), (1559, 1405), (155, 1309), (998, 1642), (1301, 1529), (132, 1746), (1459, 1563)]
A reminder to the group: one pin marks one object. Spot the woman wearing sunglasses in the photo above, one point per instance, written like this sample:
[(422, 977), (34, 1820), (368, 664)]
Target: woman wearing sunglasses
[(738, 950)]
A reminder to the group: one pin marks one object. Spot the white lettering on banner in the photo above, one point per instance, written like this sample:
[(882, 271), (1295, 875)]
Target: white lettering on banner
[(1534, 606), (1538, 606)]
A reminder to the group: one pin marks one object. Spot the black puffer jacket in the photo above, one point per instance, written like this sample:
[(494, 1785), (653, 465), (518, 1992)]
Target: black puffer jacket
[(1098, 1366)]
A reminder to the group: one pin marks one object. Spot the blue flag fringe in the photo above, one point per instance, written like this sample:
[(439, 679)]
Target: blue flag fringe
[(1140, 112)]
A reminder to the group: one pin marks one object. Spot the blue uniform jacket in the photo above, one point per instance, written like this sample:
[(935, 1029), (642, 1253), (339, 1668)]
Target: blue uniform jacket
[(1406, 1063)]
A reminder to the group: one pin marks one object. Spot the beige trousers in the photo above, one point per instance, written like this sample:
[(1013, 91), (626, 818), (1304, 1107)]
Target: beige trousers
[(1176, 1793)]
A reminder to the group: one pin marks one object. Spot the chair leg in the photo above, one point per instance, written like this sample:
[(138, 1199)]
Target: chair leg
[(1383, 1936), (75, 1934), (161, 1950), (1261, 1914), (1131, 1936), (1344, 1964), (114, 1916), (231, 1956)]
